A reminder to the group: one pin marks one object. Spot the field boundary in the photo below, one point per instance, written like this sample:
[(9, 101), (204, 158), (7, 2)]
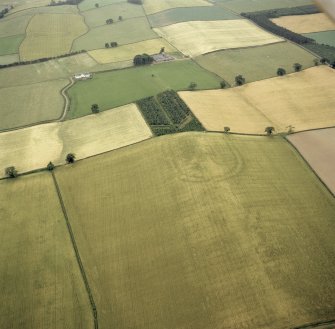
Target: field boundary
[(316, 324), (74, 245)]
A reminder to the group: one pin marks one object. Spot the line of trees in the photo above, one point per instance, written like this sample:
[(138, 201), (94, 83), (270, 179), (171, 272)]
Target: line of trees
[(66, 2), (5, 11), (136, 2)]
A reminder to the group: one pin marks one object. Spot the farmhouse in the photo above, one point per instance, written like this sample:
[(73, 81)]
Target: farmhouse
[(83, 76)]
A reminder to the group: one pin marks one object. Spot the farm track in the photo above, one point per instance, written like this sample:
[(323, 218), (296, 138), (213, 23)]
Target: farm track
[(74, 244), (61, 118)]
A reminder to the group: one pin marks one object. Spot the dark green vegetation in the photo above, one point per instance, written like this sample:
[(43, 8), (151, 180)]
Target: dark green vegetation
[(116, 88), (10, 45), (256, 63), (325, 37), (143, 59), (177, 15), (167, 113)]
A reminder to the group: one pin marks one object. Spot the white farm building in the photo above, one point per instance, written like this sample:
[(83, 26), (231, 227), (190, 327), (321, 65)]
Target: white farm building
[(83, 76)]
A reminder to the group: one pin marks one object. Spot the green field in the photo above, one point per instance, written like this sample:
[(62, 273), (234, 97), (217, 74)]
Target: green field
[(240, 6), (14, 26), (7, 59), (177, 15), (41, 285), (204, 230), (98, 17), (255, 63), (10, 45), (326, 37), (23, 105), (128, 31), (90, 4), (116, 88)]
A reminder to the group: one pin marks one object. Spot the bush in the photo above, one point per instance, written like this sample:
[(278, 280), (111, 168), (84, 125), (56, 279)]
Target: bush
[(11, 172), (281, 71)]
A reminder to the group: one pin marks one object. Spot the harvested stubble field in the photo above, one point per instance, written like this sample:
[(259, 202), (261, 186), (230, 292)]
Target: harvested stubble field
[(41, 285), (50, 35), (28, 104), (240, 6), (10, 45), (125, 32), (255, 63), (115, 88), (202, 231), (85, 137), (303, 100), (55, 69), (178, 15), (317, 147), (306, 23), (98, 16), (128, 52), (155, 6), (200, 37), (326, 37)]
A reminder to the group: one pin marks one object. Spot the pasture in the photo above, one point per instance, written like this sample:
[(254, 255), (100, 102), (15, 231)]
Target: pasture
[(29, 104), (203, 230), (200, 37), (255, 63), (278, 102), (10, 45), (90, 4), (128, 52), (326, 37), (98, 17), (317, 147), (14, 26), (116, 88), (305, 23), (41, 285), (125, 32), (49, 35), (178, 15), (241, 6), (85, 137), (154, 6), (7, 59), (28, 4)]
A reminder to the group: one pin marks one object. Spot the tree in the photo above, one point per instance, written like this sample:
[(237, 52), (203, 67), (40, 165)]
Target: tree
[(142, 59), (106, 45), (281, 71), (323, 60), (114, 44), (192, 86), (11, 172), (239, 80), (120, 18), (316, 62), (70, 158), (50, 166), (269, 130), (297, 67), (162, 50), (226, 130), (223, 84), (96, 5), (95, 108), (109, 21)]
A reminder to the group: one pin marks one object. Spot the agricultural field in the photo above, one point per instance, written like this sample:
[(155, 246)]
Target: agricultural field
[(24, 5), (90, 4), (26, 104), (10, 45), (154, 6), (61, 68), (197, 38), (125, 32), (116, 88), (128, 52), (279, 102), (241, 6), (85, 137), (326, 37), (202, 220), (14, 26), (49, 35), (178, 15), (98, 17), (255, 63), (306, 23), (7, 59), (317, 147), (41, 285)]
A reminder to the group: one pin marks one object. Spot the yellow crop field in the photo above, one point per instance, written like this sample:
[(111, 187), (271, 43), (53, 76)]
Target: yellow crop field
[(303, 100), (50, 35), (306, 23), (41, 285), (85, 137), (196, 38), (154, 6), (127, 52), (204, 231)]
